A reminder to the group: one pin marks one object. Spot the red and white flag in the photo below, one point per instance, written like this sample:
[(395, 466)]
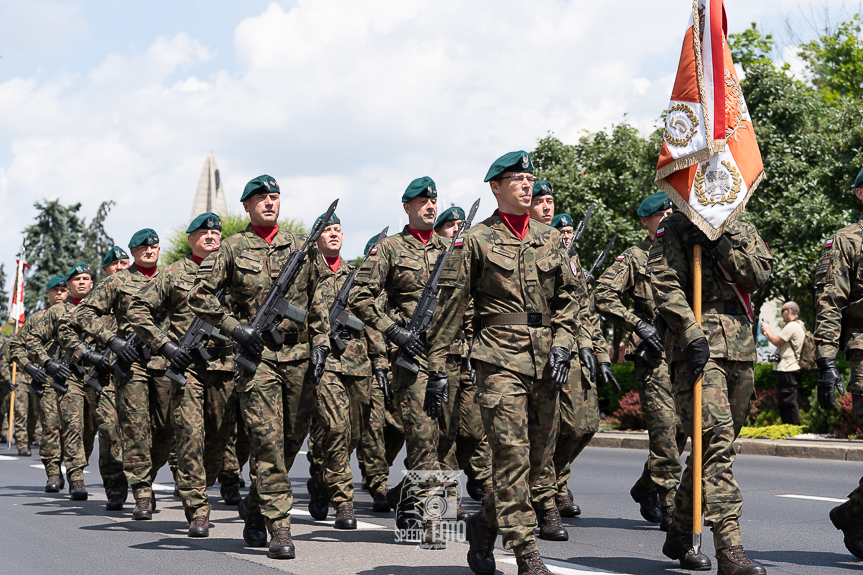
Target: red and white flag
[(709, 163), (16, 298)]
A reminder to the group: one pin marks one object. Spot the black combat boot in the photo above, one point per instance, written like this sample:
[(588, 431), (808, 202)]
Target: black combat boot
[(844, 519), (200, 526), (474, 489), (24, 452), (380, 503), (733, 561), (480, 554), (242, 482), (565, 506), (231, 495), (432, 535), (550, 527), (77, 491), (648, 501), (403, 508), (255, 529), (53, 484), (679, 546), (319, 503), (62, 480), (143, 509), (345, 518), (531, 564), (665, 522), (281, 544), (115, 502)]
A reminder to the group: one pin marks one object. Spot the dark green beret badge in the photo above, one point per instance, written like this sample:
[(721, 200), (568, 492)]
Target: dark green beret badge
[(145, 237), (561, 221), (450, 214), (542, 188), (334, 219), (58, 280), (114, 254), (261, 185), (206, 221), (420, 188), (518, 162), (653, 203), (78, 269)]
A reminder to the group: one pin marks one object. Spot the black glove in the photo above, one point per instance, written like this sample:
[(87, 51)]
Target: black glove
[(608, 376), (90, 357), (125, 352), (691, 235), (589, 361), (697, 354), (558, 360), (248, 338), (57, 369), (178, 356), (319, 359), (405, 339), (649, 334), (9, 384), (384, 384), (828, 382), (36, 373), (437, 393)]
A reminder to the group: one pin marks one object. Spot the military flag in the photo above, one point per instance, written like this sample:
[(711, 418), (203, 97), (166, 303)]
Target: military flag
[(709, 163), (16, 297)]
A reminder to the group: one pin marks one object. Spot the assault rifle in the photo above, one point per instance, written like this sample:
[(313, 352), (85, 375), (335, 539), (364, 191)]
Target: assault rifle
[(92, 378), (273, 309), (579, 231), (421, 319), (143, 349), (76, 369), (339, 316), (58, 383), (599, 261), (194, 340)]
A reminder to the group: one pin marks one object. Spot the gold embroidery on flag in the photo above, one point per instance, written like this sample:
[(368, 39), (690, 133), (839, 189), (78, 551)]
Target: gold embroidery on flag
[(719, 189), (686, 132), (734, 102)]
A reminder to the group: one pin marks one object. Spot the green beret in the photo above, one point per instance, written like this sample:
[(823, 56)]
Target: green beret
[(512, 162), (858, 183), (561, 221), (206, 221), (261, 185), (77, 269), (542, 188), (114, 254), (653, 203), (420, 188), (453, 213), (58, 280), (145, 237), (334, 219), (369, 245)]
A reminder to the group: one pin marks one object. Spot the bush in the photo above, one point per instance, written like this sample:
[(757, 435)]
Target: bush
[(629, 414), (609, 400), (774, 432)]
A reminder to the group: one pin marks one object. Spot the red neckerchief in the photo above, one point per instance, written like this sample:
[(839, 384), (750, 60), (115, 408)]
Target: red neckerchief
[(267, 233), (74, 300), (516, 224), (334, 263), (149, 272), (197, 259), (422, 235)]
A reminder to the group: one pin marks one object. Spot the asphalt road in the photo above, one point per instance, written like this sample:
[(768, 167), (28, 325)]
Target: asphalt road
[(47, 533)]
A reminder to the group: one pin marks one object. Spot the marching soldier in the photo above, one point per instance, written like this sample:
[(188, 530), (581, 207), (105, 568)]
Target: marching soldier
[(542, 202), (526, 301), (143, 400), (115, 259), (203, 419), (25, 412), (733, 266), (838, 307), (657, 485), (277, 399)]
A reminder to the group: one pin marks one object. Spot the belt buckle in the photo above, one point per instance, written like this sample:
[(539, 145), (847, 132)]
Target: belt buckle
[(731, 308), (534, 319)]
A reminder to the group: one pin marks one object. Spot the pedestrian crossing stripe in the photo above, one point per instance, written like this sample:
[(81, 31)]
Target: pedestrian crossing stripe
[(8, 458)]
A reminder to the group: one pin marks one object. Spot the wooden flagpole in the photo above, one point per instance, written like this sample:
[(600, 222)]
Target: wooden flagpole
[(696, 410), (12, 398)]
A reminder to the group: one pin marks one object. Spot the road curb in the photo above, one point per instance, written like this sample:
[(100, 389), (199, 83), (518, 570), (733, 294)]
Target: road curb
[(834, 449)]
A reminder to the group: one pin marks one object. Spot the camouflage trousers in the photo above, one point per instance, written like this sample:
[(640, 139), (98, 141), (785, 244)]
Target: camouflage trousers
[(237, 450), (110, 441), (144, 408), (726, 394), (381, 440), (4, 412), (855, 388), (51, 447), (342, 411), (276, 403), (448, 424), (26, 420), (667, 440), (203, 421), (77, 411), (472, 452), (520, 416)]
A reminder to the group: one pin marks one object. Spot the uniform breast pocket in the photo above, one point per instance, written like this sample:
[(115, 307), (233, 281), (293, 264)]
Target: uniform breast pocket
[(182, 286), (499, 274), (407, 271), (248, 269), (641, 290), (547, 269)]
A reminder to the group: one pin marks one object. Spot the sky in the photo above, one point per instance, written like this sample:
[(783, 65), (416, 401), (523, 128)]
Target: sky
[(346, 99)]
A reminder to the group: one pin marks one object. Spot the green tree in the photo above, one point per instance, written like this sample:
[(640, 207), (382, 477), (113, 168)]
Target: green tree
[(835, 61), (750, 47)]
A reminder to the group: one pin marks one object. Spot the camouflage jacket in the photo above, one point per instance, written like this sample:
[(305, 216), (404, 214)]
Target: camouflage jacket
[(18, 345), (743, 255), (167, 294), (45, 332), (6, 361), (505, 275), (839, 286), (69, 330), (247, 266), (366, 350), (597, 340), (113, 296), (627, 276), (400, 267)]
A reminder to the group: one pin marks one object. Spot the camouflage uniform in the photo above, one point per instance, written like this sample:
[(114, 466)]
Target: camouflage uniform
[(22, 398), (519, 401), (237, 450), (203, 416), (143, 402), (278, 399), (50, 448), (728, 376), (838, 284), (628, 275), (381, 439)]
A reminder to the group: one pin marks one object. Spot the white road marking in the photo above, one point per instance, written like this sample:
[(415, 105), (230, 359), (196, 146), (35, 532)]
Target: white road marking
[(813, 498), (360, 524), (160, 487), (62, 467), (8, 458), (562, 567)]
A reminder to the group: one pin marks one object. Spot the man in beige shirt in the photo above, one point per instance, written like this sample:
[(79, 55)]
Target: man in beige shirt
[(789, 344)]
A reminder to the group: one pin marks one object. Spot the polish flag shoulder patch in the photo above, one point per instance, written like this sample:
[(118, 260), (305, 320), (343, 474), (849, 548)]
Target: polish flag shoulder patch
[(374, 251), (459, 242), (660, 232), (829, 243), (619, 258)]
